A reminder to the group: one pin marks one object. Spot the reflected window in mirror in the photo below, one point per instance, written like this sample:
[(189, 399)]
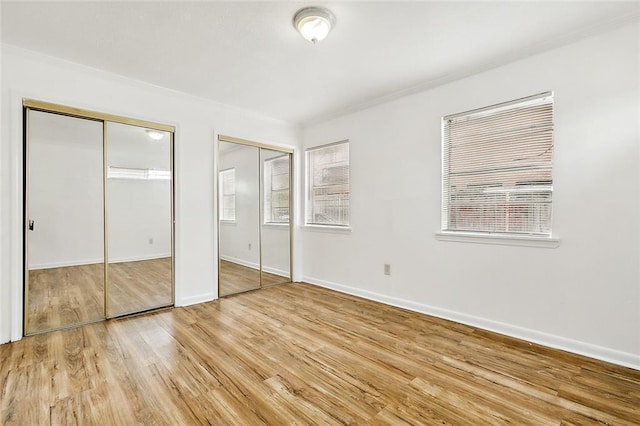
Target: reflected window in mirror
[(276, 190), (134, 173), (227, 192)]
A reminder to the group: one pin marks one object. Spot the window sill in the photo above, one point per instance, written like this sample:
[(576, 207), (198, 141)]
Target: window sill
[(227, 222), (328, 228), (505, 240), (275, 225)]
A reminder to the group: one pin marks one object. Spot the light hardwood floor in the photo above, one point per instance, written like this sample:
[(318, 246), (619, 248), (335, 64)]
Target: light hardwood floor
[(136, 286), (74, 294), (236, 278), (299, 354), (66, 295)]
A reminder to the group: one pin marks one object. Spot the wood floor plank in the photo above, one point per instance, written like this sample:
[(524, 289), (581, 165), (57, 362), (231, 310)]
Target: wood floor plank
[(300, 354)]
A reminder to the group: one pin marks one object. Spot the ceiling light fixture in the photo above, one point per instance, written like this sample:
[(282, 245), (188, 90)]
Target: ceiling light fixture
[(314, 23), (154, 134)]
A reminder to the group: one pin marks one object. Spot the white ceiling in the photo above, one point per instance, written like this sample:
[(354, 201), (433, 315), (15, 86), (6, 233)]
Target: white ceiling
[(249, 55)]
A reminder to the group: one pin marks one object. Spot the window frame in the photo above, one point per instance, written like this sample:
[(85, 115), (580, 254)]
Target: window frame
[(491, 237), (221, 194), (308, 188), (264, 190)]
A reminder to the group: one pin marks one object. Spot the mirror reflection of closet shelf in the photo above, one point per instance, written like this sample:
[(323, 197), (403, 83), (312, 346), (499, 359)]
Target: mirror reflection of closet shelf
[(133, 173)]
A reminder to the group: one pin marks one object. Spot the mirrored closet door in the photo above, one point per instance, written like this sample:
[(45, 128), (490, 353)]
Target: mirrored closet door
[(254, 212), (139, 200), (65, 222), (98, 216)]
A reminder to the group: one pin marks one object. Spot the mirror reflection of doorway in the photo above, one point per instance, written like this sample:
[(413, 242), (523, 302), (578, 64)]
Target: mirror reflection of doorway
[(254, 205), (98, 217)]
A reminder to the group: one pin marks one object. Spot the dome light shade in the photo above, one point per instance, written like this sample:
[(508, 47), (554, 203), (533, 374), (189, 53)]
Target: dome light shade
[(314, 23)]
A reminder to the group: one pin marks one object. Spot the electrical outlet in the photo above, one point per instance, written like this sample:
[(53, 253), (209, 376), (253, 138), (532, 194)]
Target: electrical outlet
[(150, 240), (249, 246), (387, 269)]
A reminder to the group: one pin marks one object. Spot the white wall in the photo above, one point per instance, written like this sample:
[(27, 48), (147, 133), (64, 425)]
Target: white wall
[(26, 74), (65, 191), (240, 240), (276, 249), (138, 211), (139, 219), (583, 296)]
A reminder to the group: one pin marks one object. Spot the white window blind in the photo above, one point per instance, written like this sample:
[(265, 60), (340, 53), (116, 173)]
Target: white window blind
[(227, 194), (133, 173), (328, 185), (276, 190), (497, 168)]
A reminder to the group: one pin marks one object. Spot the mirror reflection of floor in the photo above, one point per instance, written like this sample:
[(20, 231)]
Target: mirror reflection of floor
[(236, 278), (135, 286), (63, 296), (75, 294)]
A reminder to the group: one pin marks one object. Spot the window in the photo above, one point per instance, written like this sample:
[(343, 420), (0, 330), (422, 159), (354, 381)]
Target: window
[(276, 189), (328, 185), (227, 191), (133, 173), (497, 164)]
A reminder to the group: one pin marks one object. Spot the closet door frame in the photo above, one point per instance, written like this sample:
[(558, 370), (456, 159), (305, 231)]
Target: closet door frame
[(284, 150), (104, 118)]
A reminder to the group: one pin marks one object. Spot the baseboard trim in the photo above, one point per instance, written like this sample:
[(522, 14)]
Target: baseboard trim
[(256, 266), (601, 353), (275, 271), (194, 300), (95, 261), (64, 264), (246, 263), (141, 258)]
